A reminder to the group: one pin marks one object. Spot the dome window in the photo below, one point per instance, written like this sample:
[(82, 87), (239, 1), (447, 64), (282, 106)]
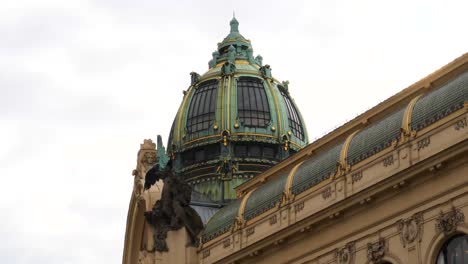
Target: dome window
[(252, 103), (293, 116), (201, 113)]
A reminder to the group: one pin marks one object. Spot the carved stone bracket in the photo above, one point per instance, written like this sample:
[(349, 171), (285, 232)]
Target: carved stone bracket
[(376, 251), (410, 229), (447, 222), (345, 255)]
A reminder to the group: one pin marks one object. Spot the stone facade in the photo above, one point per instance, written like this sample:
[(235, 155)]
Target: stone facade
[(399, 205)]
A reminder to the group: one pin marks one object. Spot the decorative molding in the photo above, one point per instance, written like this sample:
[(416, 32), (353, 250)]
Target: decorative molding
[(461, 124), (226, 242), (250, 231), (423, 143), (273, 219), (299, 207), (376, 251), (410, 229), (388, 161), (447, 222), (345, 255), (355, 177), (327, 193), (205, 253)]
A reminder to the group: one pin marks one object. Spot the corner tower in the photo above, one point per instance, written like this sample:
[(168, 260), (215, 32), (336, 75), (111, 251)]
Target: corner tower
[(235, 121)]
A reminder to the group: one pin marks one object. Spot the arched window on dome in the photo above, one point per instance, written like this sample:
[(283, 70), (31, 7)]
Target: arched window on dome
[(454, 251), (252, 103), (295, 123), (201, 113)]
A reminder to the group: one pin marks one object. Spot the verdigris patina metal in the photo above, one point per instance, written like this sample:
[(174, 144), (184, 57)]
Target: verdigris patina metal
[(172, 211)]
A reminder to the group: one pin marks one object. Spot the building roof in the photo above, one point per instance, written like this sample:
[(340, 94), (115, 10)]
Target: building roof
[(419, 111)]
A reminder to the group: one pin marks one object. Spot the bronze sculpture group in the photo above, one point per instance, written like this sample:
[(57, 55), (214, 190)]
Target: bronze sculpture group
[(172, 211)]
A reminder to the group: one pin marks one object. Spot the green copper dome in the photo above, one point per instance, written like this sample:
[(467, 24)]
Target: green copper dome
[(235, 121)]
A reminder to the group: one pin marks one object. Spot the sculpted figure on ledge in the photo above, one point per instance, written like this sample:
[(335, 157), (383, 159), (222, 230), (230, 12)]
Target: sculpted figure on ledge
[(172, 211)]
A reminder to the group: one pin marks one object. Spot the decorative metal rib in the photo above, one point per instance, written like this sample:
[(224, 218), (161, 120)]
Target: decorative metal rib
[(406, 125), (294, 119), (440, 103)]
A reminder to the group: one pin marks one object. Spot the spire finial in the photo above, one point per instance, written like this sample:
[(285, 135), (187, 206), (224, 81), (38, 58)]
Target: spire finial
[(234, 23)]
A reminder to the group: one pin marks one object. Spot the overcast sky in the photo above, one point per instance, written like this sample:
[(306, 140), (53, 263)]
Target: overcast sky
[(82, 83)]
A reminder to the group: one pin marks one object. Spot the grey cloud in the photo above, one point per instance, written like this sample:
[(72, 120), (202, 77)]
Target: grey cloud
[(38, 28)]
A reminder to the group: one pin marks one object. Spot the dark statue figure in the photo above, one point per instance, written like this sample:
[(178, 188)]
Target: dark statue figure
[(173, 210)]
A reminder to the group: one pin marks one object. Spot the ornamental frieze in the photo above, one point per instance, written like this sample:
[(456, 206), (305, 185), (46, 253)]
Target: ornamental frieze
[(447, 222), (327, 193), (423, 143), (298, 207), (388, 161), (461, 124), (355, 177)]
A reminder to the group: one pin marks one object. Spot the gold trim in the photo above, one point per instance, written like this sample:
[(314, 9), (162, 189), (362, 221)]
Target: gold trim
[(243, 62), (295, 144), (181, 113), (198, 139), (240, 213), (289, 181), (252, 134), (344, 150), (406, 125), (235, 134), (280, 123), (253, 171), (223, 80), (228, 104)]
